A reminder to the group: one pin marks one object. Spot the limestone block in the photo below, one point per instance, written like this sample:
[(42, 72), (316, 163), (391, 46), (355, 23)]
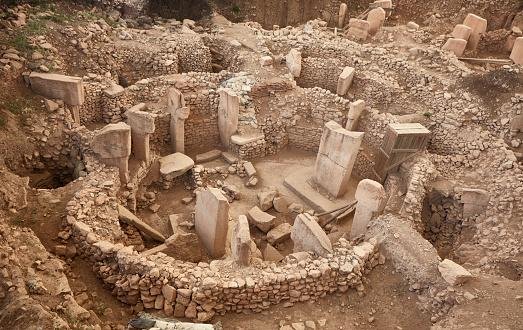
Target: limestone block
[(345, 80), (241, 241), (249, 169), (184, 246), (57, 86), (293, 60), (264, 221), (516, 124), (517, 51), (457, 46), (341, 15), (212, 220), (281, 204), (358, 29), (176, 164), (355, 111), (453, 273), (114, 90), (371, 197), (475, 201), (279, 233), (113, 141), (269, 253), (140, 121), (266, 197), (128, 217), (307, 235), (228, 112), (336, 157), (385, 4), (376, 18), (478, 26), (461, 31), (208, 156)]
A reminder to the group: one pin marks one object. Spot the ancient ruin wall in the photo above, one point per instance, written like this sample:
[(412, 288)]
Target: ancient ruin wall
[(320, 72)]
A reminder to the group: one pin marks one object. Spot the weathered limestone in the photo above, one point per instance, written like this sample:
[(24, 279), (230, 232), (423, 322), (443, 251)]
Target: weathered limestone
[(208, 156), (142, 126), (475, 201), (266, 197), (345, 80), (453, 273), (293, 60), (57, 86), (113, 144), (279, 233), (264, 221), (385, 4), (175, 165), (457, 46), (228, 112), (179, 113), (241, 242), (211, 220), (376, 18), (249, 169), (128, 217), (269, 253), (478, 26), (341, 15), (358, 29), (371, 199), (336, 157), (461, 31), (517, 51), (309, 236), (355, 111)]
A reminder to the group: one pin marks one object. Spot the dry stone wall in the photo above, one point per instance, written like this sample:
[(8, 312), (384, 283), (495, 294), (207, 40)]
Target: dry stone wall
[(320, 72)]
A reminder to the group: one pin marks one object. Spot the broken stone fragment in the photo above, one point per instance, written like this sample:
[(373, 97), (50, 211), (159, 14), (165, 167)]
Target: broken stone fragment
[(279, 233), (309, 236), (266, 197), (128, 217), (271, 254), (264, 221), (453, 273), (281, 204)]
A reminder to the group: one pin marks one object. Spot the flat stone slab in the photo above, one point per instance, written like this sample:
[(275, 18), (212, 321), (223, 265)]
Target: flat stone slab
[(264, 221), (229, 158), (246, 139), (208, 156), (298, 183), (57, 86), (175, 164), (128, 217)]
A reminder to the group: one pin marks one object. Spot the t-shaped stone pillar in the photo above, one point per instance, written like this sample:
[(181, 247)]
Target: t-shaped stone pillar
[(345, 80), (228, 112), (211, 220), (371, 199), (179, 113), (376, 17), (113, 144), (142, 126), (355, 110), (478, 26), (336, 157), (241, 241)]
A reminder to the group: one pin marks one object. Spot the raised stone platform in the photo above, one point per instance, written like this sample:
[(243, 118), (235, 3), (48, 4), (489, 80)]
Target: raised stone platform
[(300, 184)]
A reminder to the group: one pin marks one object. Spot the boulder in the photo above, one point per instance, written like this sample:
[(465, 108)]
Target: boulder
[(453, 273), (266, 197)]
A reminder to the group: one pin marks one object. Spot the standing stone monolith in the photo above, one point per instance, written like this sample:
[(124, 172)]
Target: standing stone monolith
[(212, 220), (341, 15), (293, 61), (478, 26), (358, 29), (336, 157), (517, 51), (461, 31), (371, 199), (179, 113), (355, 110), (457, 46), (376, 17), (345, 80), (308, 235), (228, 112), (241, 242), (142, 126), (57, 86), (113, 145)]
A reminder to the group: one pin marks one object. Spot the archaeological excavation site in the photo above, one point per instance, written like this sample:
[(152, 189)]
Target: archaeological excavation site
[(248, 164)]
